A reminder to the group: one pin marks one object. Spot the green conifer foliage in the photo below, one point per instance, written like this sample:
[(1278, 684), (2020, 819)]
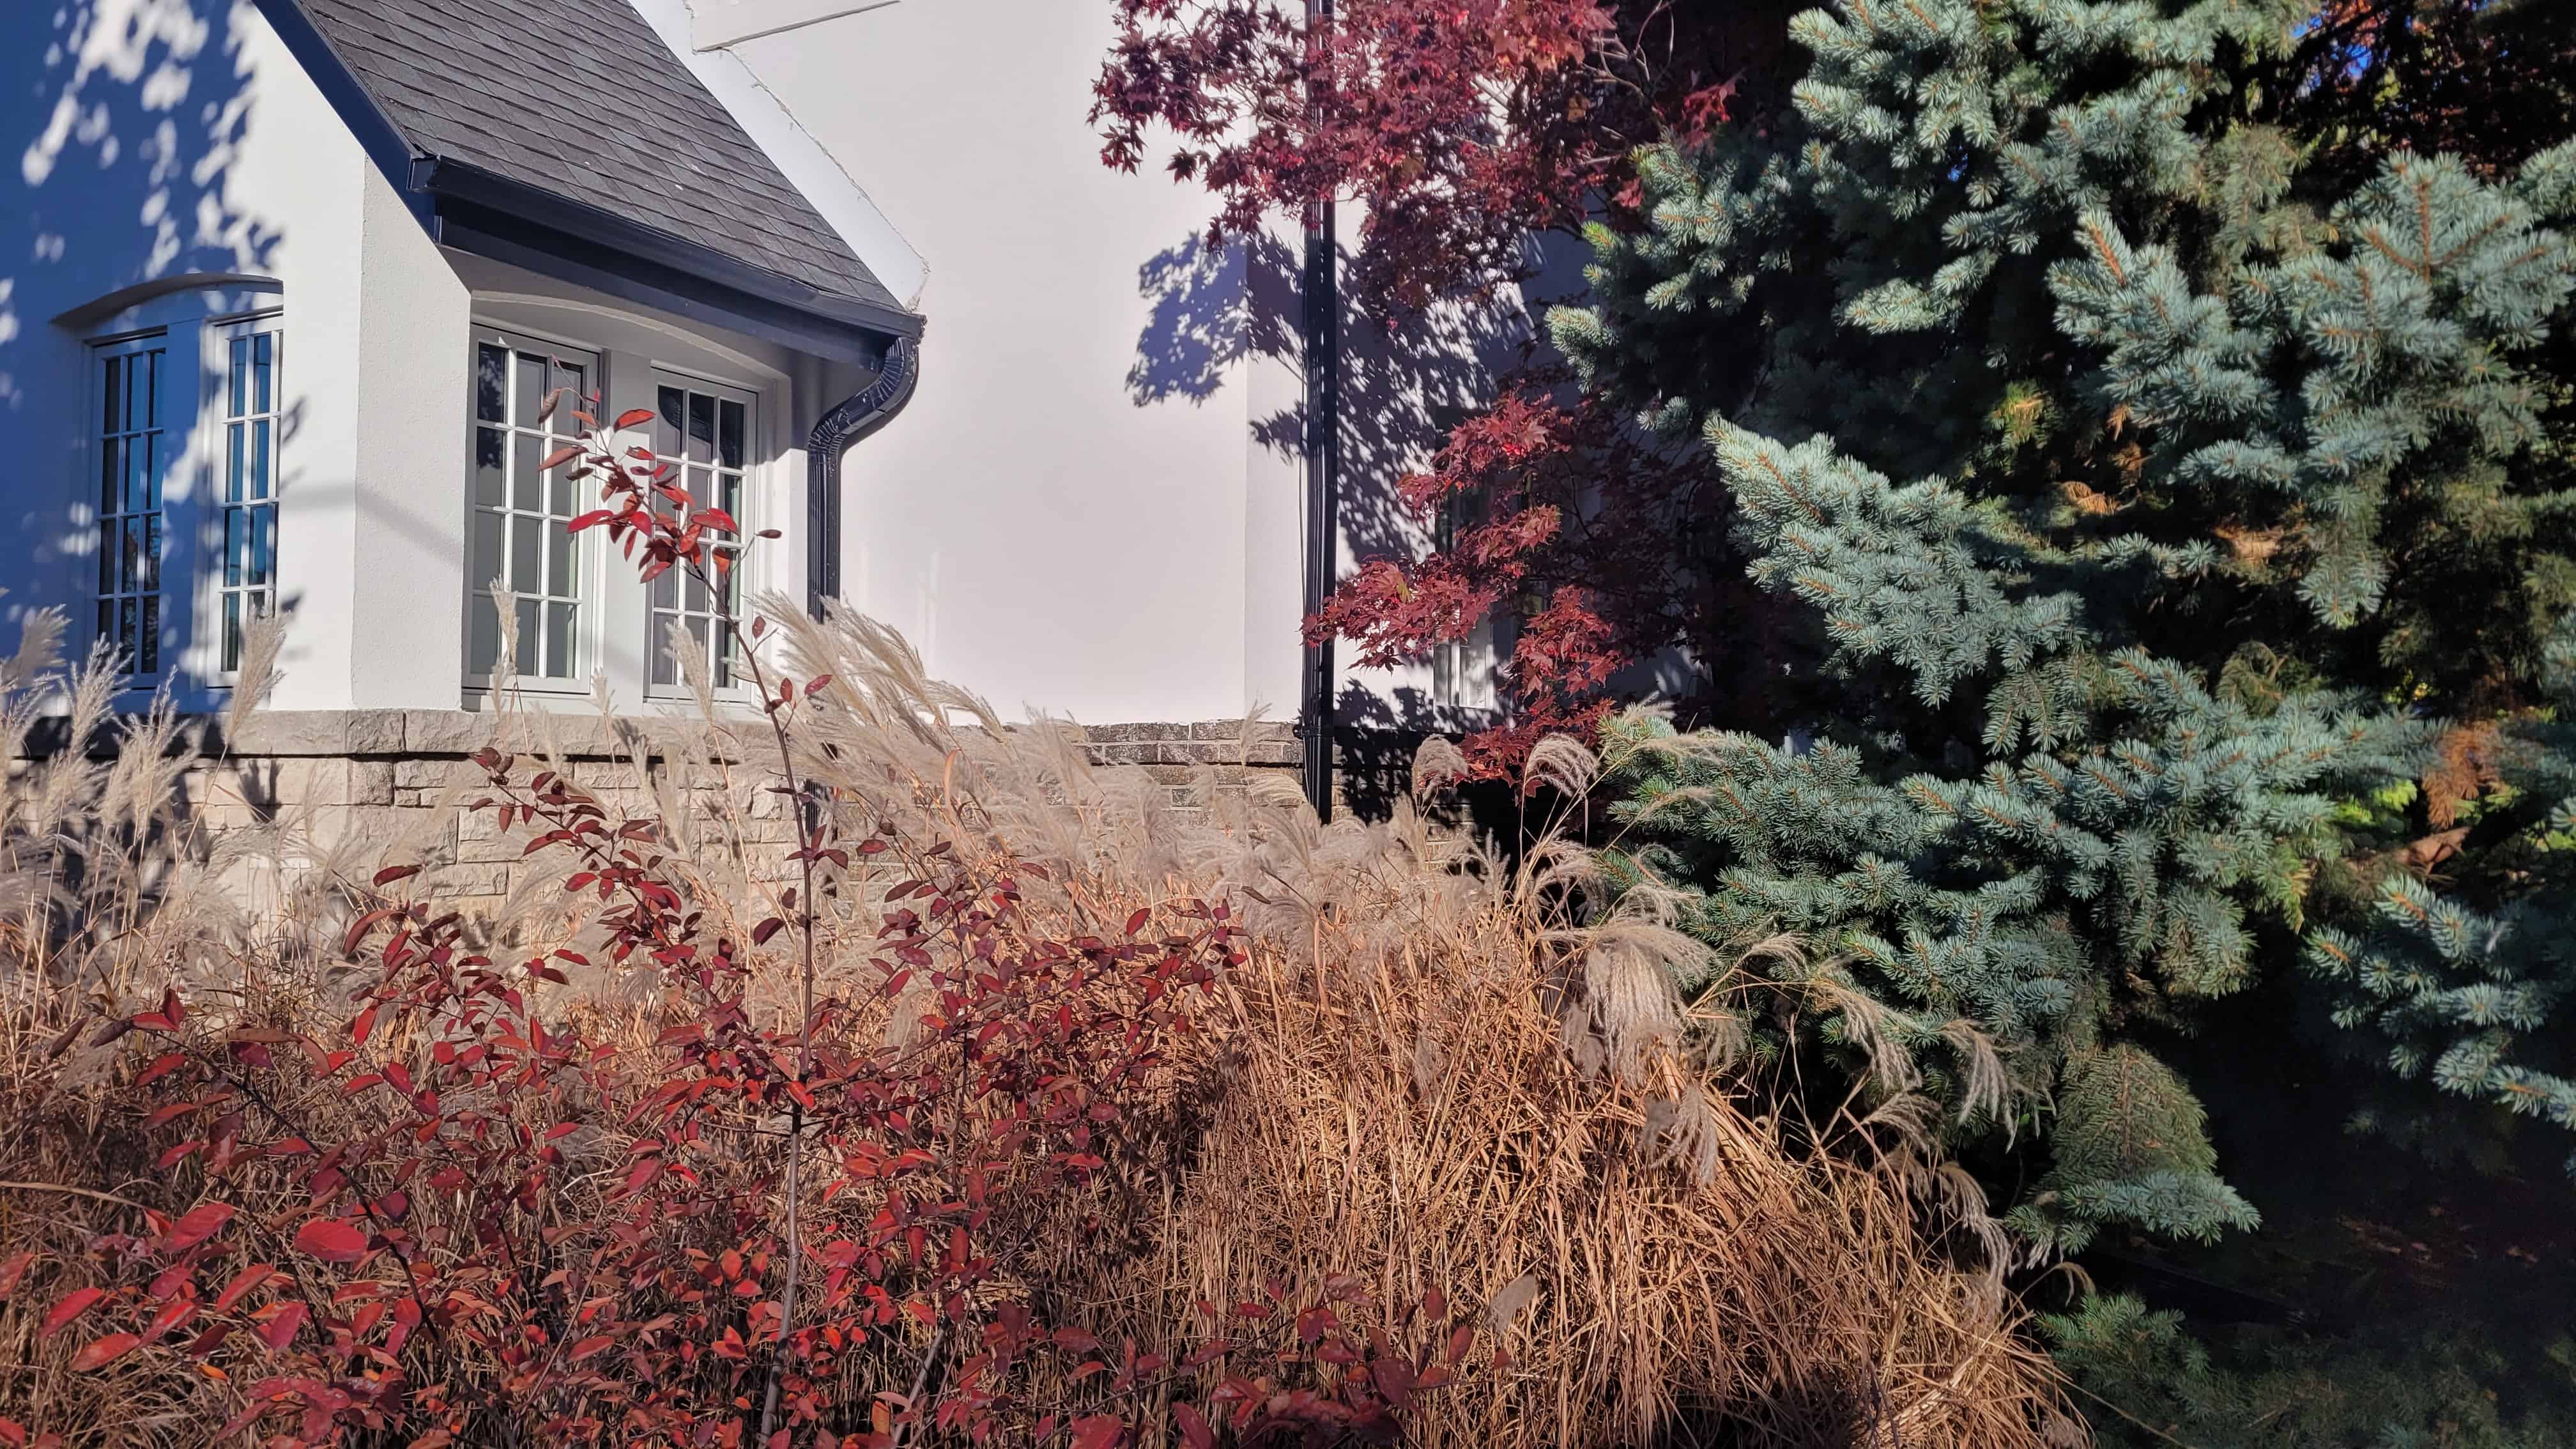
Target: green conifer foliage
[(2151, 504)]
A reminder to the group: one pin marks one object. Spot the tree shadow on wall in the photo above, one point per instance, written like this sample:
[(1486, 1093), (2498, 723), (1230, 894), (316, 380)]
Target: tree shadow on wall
[(1218, 313)]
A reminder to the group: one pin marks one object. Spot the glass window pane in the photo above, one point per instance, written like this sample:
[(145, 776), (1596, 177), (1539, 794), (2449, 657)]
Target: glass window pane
[(259, 458), (110, 548), (667, 426), (138, 462), (234, 445), (236, 545), (723, 655), (729, 433), (152, 470), (665, 670), (526, 485), (559, 652), (528, 383), (702, 427), (264, 368), (232, 632), (559, 561), (570, 377), (524, 543), (531, 658), (111, 467), (488, 470), (151, 633), (152, 551), (149, 395), (111, 401), (239, 375), (559, 486), (482, 634), (666, 589), (263, 523), (491, 378), (487, 553)]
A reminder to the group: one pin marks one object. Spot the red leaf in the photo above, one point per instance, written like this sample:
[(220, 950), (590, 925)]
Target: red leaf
[(559, 457), (365, 1023), (761, 933), (634, 418), (13, 1268), (393, 873), (1098, 1432), (815, 685), (279, 1331), (72, 1306), (243, 1281), (331, 1240), (591, 1345), (161, 1066), (198, 1225), (1137, 921), (1193, 1427), (104, 1350), (1460, 1341)]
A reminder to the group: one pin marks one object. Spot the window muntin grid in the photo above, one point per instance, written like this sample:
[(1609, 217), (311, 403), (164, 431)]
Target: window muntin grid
[(133, 451), (246, 488), (705, 433), (521, 511)]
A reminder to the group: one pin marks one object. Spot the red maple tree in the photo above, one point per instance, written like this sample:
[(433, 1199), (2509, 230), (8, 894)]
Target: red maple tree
[(1462, 127)]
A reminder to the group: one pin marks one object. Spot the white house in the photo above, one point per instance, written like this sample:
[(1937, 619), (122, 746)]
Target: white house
[(284, 283)]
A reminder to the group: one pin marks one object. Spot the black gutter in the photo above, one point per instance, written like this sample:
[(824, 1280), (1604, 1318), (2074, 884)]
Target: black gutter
[(858, 416), (1323, 359)]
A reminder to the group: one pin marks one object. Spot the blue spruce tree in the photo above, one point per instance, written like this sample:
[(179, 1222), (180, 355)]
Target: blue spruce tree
[(2152, 501)]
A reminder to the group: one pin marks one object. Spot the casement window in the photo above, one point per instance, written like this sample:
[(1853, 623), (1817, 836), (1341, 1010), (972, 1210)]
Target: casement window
[(253, 403), (705, 431), (525, 395), (134, 443)]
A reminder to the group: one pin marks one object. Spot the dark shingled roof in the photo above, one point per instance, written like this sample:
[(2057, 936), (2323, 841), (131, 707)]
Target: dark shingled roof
[(516, 88)]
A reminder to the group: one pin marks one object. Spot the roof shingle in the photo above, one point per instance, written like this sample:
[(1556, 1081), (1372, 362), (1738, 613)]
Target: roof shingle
[(582, 99)]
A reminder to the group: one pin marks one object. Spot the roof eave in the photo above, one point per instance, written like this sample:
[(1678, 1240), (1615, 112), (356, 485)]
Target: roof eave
[(479, 211)]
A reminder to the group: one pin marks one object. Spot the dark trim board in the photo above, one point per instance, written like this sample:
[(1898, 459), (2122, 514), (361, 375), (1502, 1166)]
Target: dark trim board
[(568, 258)]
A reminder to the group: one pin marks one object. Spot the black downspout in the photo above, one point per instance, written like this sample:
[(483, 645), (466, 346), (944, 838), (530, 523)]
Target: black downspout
[(856, 417), (1323, 356)]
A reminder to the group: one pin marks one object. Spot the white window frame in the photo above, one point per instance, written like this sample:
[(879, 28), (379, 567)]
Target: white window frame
[(750, 509), (558, 500)]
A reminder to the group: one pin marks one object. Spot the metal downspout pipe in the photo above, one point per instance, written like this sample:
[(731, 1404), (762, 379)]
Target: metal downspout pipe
[(857, 416)]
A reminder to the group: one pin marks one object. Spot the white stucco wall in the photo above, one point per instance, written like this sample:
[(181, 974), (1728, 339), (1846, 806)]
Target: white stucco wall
[(1096, 503), (1044, 532), (164, 142)]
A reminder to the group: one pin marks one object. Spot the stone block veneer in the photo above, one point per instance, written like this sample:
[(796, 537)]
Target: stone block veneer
[(393, 780)]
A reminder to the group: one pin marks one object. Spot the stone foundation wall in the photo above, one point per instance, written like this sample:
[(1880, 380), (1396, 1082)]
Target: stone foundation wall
[(394, 786)]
